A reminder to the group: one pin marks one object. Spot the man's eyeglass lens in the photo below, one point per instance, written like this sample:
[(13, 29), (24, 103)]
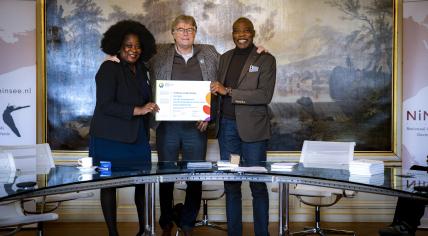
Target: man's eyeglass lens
[(181, 30)]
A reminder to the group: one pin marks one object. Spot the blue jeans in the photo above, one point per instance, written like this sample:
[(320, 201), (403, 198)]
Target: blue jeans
[(252, 154), (171, 138)]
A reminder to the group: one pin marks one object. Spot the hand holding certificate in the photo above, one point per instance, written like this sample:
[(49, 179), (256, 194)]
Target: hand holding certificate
[(183, 100)]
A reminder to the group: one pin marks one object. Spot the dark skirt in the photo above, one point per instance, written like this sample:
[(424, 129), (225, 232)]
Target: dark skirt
[(120, 154)]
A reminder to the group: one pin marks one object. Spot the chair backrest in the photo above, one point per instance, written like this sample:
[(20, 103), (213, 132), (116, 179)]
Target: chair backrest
[(24, 155), (7, 168), (31, 158), (44, 158), (327, 154)]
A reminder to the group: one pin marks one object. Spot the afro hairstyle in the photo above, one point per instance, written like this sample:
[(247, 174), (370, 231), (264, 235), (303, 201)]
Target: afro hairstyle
[(113, 38)]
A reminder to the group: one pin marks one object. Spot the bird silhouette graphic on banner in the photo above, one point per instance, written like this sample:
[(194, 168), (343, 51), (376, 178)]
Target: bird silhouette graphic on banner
[(8, 119)]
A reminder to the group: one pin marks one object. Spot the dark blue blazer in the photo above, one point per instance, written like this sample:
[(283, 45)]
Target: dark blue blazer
[(117, 95)]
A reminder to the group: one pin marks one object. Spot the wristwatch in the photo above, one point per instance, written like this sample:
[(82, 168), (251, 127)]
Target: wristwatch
[(229, 91)]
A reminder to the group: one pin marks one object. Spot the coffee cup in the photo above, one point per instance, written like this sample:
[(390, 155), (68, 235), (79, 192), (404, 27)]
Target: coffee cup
[(85, 177), (85, 162)]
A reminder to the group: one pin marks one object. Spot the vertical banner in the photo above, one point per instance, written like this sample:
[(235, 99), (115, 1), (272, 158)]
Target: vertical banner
[(415, 83), (17, 72), (415, 86)]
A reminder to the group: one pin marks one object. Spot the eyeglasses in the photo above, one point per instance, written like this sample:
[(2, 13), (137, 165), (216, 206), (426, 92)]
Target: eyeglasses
[(189, 30)]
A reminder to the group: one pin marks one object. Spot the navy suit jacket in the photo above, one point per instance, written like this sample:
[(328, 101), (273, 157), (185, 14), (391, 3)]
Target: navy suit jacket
[(117, 95)]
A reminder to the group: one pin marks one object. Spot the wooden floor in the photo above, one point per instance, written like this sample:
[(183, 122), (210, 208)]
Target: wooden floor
[(130, 229)]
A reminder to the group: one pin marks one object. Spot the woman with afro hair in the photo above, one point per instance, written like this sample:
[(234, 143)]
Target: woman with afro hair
[(119, 130)]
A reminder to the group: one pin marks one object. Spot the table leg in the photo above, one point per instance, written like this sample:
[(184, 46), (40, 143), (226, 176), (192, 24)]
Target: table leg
[(152, 208), (147, 209), (284, 210), (40, 224), (40, 229)]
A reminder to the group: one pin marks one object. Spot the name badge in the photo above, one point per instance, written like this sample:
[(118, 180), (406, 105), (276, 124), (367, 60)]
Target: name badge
[(253, 68)]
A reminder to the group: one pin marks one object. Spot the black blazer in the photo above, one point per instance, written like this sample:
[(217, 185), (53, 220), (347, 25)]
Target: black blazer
[(117, 95)]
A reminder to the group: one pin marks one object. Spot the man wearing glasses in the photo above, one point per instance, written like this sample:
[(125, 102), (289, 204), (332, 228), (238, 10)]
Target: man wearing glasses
[(182, 60)]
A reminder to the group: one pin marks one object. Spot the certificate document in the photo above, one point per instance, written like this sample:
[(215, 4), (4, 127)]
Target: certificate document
[(180, 100)]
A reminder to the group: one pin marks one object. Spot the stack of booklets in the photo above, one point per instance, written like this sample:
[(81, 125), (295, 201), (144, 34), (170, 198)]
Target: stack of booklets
[(200, 165), (226, 165), (282, 166), (366, 167)]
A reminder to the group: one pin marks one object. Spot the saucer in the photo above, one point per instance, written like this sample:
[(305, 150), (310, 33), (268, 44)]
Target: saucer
[(86, 169)]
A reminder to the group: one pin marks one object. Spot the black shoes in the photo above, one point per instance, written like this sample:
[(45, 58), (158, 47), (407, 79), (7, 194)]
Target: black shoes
[(176, 218), (187, 233), (167, 230), (401, 229), (176, 215)]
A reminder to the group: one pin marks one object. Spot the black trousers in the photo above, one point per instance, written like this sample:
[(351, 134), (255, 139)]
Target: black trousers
[(409, 211), (171, 139)]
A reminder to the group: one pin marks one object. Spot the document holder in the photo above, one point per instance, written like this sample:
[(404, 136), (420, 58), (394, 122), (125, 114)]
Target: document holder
[(336, 155)]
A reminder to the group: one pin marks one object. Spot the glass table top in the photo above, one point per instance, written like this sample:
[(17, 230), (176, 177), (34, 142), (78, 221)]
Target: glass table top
[(22, 183)]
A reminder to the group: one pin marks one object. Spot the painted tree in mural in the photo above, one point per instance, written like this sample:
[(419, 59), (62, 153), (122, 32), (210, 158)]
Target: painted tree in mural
[(75, 39), (375, 31), (83, 26), (368, 89)]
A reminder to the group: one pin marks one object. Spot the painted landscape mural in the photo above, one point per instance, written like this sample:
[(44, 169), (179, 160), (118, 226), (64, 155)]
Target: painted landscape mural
[(334, 62)]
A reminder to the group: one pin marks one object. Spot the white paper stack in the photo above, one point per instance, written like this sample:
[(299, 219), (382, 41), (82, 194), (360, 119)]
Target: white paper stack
[(366, 167), (250, 169), (226, 165), (326, 165), (282, 166), (377, 180), (199, 165)]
